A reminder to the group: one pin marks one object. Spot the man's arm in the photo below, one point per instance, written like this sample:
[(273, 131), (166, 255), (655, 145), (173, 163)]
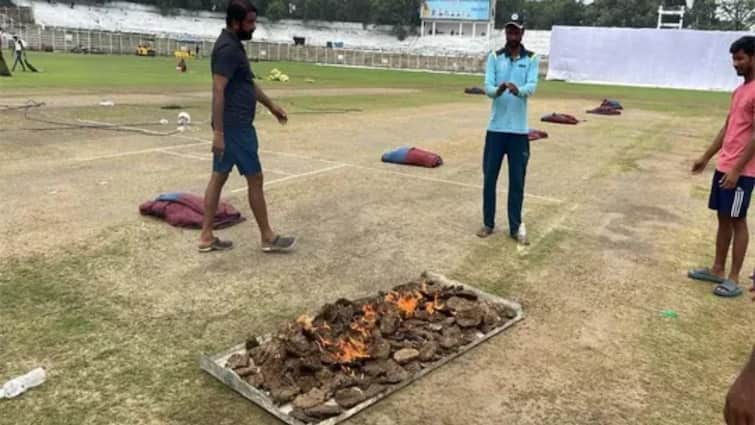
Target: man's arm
[(218, 103), (533, 74), (740, 401), (701, 163), (276, 110), (262, 97), (491, 89)]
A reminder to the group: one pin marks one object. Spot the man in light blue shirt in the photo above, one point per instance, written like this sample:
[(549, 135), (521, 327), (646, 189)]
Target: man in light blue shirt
[(510, 78)]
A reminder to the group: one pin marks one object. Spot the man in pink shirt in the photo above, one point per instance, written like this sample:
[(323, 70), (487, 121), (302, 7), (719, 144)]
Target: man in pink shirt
[(734, 177)]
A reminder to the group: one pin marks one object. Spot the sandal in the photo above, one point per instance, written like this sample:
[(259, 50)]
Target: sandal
[(705, 275), (280, 244), (216, 245), (728, 289)]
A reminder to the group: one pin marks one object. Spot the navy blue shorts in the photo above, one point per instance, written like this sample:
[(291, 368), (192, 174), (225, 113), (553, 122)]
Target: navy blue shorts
[(240, 150), (731, 202)]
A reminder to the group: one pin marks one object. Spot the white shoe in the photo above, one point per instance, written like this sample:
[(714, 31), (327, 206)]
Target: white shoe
[(521, 235)]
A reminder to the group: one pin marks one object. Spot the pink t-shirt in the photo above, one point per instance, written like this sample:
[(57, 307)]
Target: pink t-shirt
[(739, 130)]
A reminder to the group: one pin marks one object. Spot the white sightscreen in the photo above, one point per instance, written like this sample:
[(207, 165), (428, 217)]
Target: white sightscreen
[(644, 57)]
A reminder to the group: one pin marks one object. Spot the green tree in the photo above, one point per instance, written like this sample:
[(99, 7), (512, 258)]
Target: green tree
[(702, 16), (276, 10), (623, 13), (738, 13), (541, 15), (546, 14)]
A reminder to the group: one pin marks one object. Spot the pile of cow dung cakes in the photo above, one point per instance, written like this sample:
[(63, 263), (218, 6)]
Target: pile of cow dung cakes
[(352, 351)]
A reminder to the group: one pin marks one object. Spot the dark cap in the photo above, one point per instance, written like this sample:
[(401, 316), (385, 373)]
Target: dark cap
[(516, 21)]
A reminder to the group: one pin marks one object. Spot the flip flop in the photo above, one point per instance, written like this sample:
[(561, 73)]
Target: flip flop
[(280, 244), (728, 289), (484, 232), (705, 275), (216, 245)]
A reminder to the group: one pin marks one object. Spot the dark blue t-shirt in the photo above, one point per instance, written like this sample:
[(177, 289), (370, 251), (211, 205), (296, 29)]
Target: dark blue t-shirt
[(229, 60)]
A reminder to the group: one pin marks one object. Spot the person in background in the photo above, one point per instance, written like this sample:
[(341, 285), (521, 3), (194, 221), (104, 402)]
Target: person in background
[(18, 47), (181, 67), (4, 71)]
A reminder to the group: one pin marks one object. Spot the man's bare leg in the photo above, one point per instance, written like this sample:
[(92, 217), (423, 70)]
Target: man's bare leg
[(271, 242), (259, 207), (211, 201), (741, 239), (723, 242)]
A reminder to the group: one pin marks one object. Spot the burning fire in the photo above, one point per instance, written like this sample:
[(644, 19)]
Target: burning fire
[(364, 325), (407, 303), (369, 313), (433, 305), (354, 344), (347, 349), (350, 349)]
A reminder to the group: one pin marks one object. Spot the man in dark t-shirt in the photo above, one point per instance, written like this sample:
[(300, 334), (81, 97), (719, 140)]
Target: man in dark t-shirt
[(234, 101)]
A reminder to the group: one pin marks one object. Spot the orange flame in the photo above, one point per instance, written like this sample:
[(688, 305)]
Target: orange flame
[(434, 305), (407, 303), (369, 313), (350, 349), (347, 349)]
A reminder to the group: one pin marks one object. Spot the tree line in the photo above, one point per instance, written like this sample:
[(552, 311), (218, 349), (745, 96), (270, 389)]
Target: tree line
[(539, 14)]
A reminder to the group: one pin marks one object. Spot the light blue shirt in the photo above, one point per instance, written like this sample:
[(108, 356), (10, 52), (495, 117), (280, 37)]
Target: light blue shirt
[(509, 113)]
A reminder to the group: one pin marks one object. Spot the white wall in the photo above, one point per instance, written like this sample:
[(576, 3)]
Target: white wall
[(683, 59)]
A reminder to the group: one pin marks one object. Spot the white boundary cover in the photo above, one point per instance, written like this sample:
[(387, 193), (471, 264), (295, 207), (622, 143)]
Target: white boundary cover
[(684, 59)]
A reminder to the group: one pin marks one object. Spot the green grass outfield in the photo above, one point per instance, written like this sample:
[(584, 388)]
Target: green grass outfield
[(72, 73), (121, 317)]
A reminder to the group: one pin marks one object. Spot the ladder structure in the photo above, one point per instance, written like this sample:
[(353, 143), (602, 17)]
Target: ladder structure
[(676, 15)]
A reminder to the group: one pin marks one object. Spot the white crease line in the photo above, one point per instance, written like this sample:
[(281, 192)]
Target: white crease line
[(130, 153), (185, 155), (454, 183), (308, 158), (196, 139), (337, 165), (284, 154), (557, 224), (296, 176), (285, 173), (203, 158)]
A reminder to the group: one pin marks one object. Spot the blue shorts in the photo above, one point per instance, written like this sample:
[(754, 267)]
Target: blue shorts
[(731, 202), (240, 150)]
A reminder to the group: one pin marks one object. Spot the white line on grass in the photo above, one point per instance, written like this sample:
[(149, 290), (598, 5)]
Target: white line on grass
[(296, 176), (139, 152), (185, 155), (290, 176), (386, 171), (284, 154), (556, 224), (207, 158), (452, 182)]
